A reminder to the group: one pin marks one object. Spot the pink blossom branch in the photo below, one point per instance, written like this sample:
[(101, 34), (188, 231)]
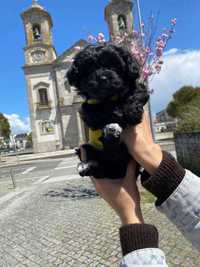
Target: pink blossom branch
[(150, 58)]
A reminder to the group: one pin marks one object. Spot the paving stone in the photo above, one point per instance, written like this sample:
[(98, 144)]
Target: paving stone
[(51, 227)]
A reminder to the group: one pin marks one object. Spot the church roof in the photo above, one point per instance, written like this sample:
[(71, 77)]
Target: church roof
[(70, 52)]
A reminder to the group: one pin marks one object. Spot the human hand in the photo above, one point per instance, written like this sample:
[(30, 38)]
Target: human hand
[(122, 195), (141, 145)]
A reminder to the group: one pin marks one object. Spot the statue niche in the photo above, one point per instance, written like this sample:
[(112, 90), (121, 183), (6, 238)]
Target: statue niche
[(36, 32), (122, 23)]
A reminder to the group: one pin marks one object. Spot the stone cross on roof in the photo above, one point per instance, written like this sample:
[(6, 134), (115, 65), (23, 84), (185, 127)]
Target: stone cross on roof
[(36, 4)]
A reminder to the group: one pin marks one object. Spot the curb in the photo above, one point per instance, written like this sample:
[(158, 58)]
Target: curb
[(41, 158)]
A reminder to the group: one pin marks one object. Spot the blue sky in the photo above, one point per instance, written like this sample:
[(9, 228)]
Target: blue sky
[(73, 20)]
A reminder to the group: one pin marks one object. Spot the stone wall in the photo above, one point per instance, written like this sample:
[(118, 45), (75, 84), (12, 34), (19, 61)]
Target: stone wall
[(188, 150)]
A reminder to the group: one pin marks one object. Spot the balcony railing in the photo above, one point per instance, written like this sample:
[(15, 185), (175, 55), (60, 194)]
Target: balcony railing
[(47, 105)]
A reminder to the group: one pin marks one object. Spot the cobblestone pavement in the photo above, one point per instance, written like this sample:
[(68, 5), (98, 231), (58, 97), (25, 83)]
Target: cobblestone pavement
[(65, 223)]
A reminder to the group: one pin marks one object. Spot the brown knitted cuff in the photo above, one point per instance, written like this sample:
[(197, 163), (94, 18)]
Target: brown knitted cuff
[(166, 179), (138, 236)]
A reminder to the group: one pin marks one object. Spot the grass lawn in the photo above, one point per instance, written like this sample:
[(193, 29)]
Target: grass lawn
[(147, 197)]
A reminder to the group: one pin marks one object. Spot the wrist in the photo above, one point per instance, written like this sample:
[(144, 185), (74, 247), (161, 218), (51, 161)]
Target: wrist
[(132, 218), (166, 179), (150, 158), (127, 221), (138, 236)]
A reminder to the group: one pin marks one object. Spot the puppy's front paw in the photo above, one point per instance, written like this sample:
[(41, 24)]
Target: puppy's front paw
[(82, 168), (87, 168), (112, 130)]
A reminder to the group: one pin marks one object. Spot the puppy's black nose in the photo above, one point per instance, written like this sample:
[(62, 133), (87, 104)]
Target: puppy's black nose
[(103, 81), (103, 78)]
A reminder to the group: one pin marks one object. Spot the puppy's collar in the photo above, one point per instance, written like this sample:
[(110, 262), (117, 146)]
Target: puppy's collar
[(94, 138), (93, 101), (96, 101)]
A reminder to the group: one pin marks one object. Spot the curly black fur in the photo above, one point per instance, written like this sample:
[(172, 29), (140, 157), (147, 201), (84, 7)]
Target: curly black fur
[(102, 72), (104, 166)]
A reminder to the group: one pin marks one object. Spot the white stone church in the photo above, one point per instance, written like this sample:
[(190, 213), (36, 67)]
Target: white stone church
[(53, 104)]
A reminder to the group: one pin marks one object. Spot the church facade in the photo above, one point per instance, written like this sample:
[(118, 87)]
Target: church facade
[(53, 103)]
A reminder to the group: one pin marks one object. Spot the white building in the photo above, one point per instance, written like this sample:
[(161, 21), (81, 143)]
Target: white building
[(164, 122), (53, 104)]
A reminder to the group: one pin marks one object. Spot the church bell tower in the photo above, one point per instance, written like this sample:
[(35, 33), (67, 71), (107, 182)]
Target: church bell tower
[(39, 44), (40, 56), (118, 15)]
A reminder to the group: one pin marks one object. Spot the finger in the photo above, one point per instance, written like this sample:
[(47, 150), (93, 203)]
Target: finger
[(99, 187), (104, 186), (98, 184), (130, 173), (130, 181), (93, 181)]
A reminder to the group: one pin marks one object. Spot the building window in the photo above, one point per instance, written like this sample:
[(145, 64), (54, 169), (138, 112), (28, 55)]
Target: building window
[(43, 96), (46, 127), (122, 23), (42, 93), (36, 32)]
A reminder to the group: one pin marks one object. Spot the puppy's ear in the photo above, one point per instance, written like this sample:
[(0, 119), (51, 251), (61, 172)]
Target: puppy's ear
[(142, 90), (132, 67), (72, 75)]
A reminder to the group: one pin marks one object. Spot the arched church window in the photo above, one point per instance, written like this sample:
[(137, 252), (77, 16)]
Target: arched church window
[(43, 96), (122, 23), (36, 32)]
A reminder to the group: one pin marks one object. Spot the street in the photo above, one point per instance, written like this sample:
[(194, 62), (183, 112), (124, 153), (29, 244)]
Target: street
[(25, 174), (55, 218), (29, 168)]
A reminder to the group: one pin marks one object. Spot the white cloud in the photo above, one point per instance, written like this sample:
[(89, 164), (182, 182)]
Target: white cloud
[(18, 124), (171, 52), (181, 67)]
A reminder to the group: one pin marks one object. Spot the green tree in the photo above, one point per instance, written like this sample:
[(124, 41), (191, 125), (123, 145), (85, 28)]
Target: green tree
[(185, 106), (4, 127), (29, 137)]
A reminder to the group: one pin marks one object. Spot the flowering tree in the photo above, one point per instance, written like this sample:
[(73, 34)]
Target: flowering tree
[(148, 55)]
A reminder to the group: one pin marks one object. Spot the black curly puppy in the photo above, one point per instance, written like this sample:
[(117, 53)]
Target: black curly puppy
[(107, 77)]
